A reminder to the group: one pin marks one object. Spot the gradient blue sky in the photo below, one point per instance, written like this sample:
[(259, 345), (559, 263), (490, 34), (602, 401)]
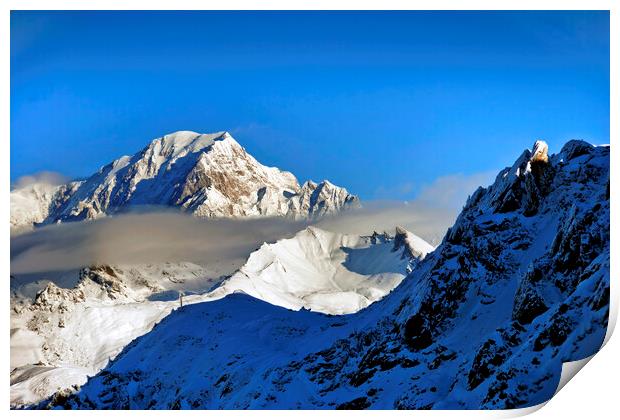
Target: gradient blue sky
[(380, 102)]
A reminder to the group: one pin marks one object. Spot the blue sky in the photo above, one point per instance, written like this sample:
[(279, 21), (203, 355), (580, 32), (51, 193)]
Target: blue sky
[(383, 103)]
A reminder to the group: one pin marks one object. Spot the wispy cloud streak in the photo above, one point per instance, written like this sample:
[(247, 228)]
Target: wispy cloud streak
[(161, 236)]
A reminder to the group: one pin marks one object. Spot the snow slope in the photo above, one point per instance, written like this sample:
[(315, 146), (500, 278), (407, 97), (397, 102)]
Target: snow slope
[(519, 285), (324, 271), (30, 204), (63, 334), (69, 333), (208, 175)]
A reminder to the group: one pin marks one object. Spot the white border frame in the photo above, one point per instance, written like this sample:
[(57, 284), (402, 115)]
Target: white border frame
[(593, 394)]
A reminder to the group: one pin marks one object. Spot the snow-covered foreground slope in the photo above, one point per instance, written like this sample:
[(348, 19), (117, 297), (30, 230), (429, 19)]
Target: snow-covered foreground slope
[(519, 285), (326, 272), (208, 175), (64, 334), (69, 333)]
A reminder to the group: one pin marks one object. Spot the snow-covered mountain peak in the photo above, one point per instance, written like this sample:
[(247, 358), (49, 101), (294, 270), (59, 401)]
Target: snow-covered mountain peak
[(320, 199), (208, 175), (29, 204), (523, 185), (539, 152), (413, 246), (575, 148), (171, 147), (313, 184), (309, 184), (183, 142), (32, 204), (323, 271)]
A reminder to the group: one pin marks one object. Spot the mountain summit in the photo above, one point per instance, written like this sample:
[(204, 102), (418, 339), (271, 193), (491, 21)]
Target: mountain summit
[(208, 175)]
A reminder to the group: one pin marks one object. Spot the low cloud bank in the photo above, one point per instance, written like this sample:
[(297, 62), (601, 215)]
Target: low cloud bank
[(144, 238), (429, 215), (451, 191), (428, 222), (164, 236), (45, 177)]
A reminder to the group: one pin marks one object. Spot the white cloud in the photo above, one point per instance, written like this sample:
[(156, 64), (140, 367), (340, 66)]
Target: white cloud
[(170, 236), (143, 239), (45, 177), (451, 191), (429, 215)]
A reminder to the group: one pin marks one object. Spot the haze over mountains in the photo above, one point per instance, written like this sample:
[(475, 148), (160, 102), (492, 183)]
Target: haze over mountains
[(518, 285)]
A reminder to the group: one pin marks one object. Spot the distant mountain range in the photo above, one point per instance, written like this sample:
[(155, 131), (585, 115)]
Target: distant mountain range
[(208, 175)]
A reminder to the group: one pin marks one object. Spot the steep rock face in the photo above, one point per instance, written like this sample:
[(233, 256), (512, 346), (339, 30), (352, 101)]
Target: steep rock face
[(320, 199), (521, 186), (209, 175), (499, 302), (413, 247), (519, 285)]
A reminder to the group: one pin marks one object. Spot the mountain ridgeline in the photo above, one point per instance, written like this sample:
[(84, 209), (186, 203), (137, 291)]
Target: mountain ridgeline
[(208, 175), (519, 285)]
